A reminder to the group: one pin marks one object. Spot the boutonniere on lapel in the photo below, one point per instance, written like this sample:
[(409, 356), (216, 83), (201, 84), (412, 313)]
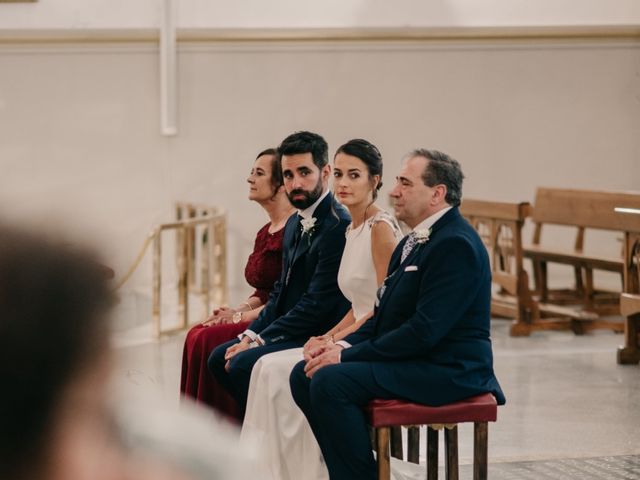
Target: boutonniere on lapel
[(422, 235), (308, 226)]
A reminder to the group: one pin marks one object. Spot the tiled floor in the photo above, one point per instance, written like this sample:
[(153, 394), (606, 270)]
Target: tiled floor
[(625, 467), (571, 411)]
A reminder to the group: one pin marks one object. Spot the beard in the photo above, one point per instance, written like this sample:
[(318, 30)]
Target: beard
[(309, 197)]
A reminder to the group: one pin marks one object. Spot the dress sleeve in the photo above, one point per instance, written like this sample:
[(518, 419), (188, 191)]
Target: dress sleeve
[(383, 216), (265, 263), (262, 294)]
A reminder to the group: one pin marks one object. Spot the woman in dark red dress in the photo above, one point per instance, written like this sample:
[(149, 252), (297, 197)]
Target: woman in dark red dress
[(263, 269)]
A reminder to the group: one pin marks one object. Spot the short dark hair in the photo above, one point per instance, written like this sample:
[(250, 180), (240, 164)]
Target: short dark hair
[(276, 172), (370, 156), (306, 142), (442, 169), (53, 310)]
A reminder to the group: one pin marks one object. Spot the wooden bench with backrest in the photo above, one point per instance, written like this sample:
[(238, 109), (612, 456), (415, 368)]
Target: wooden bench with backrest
[(630, 299), (499, 225), (581, 210)]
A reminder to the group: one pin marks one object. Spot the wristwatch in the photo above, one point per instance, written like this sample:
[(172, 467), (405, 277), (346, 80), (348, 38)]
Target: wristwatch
[(237, 317)]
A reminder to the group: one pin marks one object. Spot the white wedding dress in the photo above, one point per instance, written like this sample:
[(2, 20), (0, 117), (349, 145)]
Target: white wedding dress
[(273, 421)]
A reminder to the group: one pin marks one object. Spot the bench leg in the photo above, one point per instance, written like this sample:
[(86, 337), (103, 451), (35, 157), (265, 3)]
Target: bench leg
[(451, 452), (480, 450), (540, 279), (432, 454), (630, 353), (580, 290), (413, 444), (589, 289), (382, 450), (396, 442)]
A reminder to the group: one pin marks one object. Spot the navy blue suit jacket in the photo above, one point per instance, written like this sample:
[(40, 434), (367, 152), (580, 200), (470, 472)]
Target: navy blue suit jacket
[(429, 339), (306, 300)]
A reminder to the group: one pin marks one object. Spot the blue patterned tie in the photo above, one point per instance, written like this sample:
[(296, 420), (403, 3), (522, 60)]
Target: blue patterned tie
[(408, 246)]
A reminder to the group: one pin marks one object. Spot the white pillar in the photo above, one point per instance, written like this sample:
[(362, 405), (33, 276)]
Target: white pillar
[(168, 70)]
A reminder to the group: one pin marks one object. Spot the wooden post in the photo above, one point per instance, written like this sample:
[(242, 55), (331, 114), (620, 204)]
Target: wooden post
[(183, 276), (451, 452), (396, 442), (384, 465), (432, 453), (190, 238), (205, 270), (157, 283), (480, 450), (413, 444), (220, 252)]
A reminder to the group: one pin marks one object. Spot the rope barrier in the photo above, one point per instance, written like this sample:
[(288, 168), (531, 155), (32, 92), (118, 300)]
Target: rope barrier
[(150, 237)]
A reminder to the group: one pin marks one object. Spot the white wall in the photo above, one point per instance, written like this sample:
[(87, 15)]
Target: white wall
[(144, 14), (80, 147)]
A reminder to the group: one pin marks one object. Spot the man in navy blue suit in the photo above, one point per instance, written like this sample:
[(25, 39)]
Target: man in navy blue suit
[(306, 301), (428, 341)]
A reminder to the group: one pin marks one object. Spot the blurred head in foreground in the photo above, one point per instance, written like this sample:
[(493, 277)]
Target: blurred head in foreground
[(54, 362), (58, 420)]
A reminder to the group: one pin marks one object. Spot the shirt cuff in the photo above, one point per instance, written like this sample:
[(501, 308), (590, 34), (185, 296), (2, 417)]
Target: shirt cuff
[(343, 344), (249, 333)]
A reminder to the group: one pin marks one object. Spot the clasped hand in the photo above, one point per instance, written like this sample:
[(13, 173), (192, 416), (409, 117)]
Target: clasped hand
[(313, 345), (321, 356), (221, 315)]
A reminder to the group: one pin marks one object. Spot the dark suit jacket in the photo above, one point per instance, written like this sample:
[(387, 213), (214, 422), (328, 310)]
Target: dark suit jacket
[(306, 300), (429, 339)]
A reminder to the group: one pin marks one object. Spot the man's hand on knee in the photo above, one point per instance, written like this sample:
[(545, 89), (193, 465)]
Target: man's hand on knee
[(330, 356), (233, 350)]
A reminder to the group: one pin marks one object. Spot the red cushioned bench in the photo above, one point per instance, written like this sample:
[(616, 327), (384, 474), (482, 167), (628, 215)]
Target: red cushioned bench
[(481, 409)]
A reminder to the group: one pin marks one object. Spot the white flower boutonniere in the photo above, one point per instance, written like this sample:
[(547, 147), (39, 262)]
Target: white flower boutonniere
[(308, 224), (422, 236)]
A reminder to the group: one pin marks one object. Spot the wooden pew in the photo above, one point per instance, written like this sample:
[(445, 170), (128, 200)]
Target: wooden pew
[(499, 225), (630, 300), (582, 209)]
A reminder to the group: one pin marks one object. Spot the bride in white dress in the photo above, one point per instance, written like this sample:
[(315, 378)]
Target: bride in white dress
[(272, 420)]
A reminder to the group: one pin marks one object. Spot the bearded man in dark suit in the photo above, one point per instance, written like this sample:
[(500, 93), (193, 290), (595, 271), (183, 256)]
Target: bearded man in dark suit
[(428, 340), (306, 301)]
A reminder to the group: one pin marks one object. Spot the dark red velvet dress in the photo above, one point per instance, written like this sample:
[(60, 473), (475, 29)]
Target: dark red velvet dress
[(263, 269)]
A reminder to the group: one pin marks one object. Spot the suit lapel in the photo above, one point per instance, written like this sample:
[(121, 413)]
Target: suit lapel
[(398, 271), (304, 242)]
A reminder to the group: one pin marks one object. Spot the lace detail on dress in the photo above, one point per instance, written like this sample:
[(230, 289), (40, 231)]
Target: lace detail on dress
[(383, 216)]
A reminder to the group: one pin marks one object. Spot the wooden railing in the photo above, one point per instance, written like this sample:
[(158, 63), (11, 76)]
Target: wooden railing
[(201, 234), (201, 262)]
